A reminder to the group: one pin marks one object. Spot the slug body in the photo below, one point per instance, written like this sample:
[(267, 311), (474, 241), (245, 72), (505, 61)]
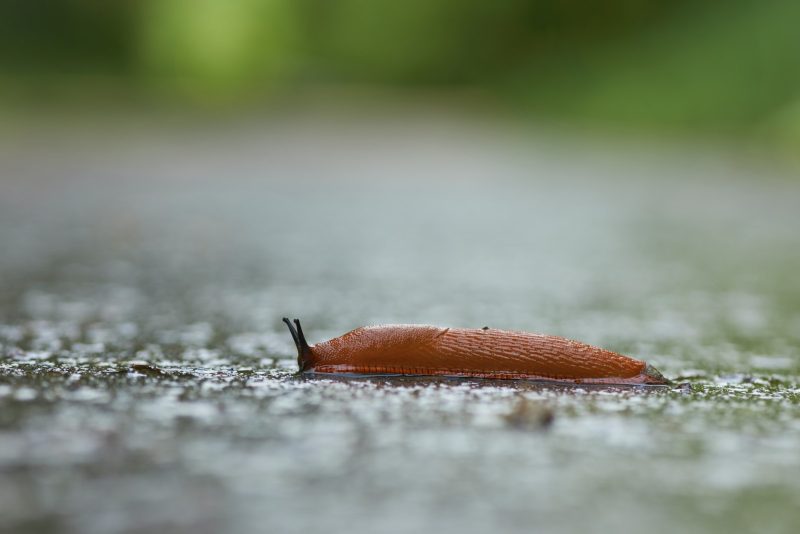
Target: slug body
[(463, 352)]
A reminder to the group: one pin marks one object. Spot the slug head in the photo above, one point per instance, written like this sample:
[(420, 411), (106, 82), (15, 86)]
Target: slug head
[(303, 350)]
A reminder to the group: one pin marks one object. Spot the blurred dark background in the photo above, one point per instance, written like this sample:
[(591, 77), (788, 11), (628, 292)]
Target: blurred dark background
[(705, 66)]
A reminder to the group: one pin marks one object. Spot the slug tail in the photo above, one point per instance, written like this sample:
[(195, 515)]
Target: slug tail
[(303, 350), (654, 376)]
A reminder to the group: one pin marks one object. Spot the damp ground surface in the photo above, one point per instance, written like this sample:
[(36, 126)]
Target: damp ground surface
[(147, 383)]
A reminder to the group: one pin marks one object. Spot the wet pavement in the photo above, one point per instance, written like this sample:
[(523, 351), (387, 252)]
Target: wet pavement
[(147, 383)]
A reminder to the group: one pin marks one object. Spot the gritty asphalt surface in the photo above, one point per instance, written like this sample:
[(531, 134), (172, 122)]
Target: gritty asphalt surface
[(148, 385)]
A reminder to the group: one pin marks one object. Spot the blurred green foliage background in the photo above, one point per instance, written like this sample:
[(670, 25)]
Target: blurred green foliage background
[(729, 67)]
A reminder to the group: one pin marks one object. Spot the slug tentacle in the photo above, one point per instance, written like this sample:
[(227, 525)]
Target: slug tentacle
[(303, 350)]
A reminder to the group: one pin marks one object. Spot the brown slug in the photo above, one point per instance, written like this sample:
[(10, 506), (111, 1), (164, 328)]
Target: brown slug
[(464, 352)]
